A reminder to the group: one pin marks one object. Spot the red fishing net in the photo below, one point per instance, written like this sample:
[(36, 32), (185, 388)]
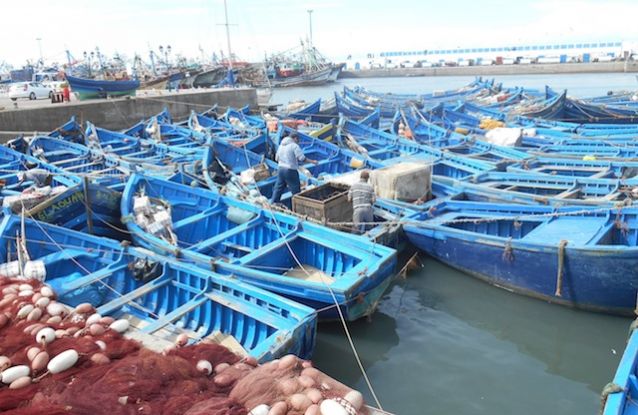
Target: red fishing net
[(114, 375)]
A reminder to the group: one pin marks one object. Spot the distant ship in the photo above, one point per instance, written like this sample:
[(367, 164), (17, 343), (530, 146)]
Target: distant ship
[(301, 67)]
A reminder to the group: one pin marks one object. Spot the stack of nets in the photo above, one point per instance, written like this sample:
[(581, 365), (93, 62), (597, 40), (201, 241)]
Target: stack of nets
[(60, 360)]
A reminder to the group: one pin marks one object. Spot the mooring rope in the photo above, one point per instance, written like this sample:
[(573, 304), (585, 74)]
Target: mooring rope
[(561, 262)]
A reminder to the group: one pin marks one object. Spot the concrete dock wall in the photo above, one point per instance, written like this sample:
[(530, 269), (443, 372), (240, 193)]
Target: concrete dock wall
[(121, 113), (530, 69)]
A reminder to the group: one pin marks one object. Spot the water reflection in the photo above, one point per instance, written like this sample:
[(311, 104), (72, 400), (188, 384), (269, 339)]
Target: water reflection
[(574, 344), (443, 342), (375, 338)]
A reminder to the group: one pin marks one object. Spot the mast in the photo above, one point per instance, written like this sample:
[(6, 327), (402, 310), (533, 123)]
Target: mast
[(310, 21), (230, 55)]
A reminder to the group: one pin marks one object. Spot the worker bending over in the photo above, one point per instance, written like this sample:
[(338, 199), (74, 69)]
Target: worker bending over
[(288, 156)]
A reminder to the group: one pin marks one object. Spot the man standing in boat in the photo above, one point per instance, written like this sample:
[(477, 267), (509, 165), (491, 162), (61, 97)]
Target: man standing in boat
[(289, 155), (362, 196)]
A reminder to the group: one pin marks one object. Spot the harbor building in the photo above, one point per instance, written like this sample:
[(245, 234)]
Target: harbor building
[(585, 52)]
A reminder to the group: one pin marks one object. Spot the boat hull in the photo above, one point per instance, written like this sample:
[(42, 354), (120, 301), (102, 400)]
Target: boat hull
[(620, 401), (90, 88), (592, 280)]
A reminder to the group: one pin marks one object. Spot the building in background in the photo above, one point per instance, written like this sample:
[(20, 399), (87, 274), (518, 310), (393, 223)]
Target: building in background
[(497, 55)]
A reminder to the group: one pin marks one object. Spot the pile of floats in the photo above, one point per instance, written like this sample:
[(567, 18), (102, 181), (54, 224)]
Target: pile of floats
[(160, 236)]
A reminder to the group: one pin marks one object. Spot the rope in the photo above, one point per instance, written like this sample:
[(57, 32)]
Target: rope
[(561, 262), (609, 389), (340, 312)]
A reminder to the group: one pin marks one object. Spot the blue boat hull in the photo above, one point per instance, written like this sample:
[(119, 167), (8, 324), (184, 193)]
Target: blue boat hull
[(591, 280), (90, 88), (168, 297), (624, 388)]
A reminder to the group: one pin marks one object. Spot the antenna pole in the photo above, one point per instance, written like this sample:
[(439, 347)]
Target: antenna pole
[(39, 39)]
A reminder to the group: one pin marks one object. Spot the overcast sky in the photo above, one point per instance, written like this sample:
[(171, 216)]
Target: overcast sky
[(340, 27)]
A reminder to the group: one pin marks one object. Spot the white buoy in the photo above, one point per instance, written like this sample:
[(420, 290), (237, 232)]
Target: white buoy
[(63, 361), (15, 372)]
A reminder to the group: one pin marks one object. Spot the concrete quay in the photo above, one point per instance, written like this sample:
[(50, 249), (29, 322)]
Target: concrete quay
[(527, 69), (115, 114)]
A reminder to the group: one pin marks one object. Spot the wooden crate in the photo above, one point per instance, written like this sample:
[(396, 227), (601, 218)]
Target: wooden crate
[(326, 203)]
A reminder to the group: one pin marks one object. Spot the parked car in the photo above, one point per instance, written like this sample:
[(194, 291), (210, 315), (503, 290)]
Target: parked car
[(30, 90)]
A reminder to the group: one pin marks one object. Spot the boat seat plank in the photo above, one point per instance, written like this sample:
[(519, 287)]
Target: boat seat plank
[(167, 319), (111, 306), (71, 160), (93, 277), (198, 247), (66, 254), (575, 230), (196, 218)]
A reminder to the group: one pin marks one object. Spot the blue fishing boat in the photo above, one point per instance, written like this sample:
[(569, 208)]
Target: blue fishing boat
[(578, 256), (308, 112), (135, 153), (77, 160), (274, 251), (575, 167), (540, 189), (70, 131), (26, 182), (93, 88), (577, 111), (160, 298), (254, 139), (351, 110), (241, 118), (387, 109), (391, 148), (618, 396)]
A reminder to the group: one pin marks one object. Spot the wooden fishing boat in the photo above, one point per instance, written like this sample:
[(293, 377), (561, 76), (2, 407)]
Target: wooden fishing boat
[(79, 161), (134, 152), (352, 110), (575, 167), (544, 189), (160, 298), (311, 78), (24, 183), (578, 256), (618, 396), (577, 111), (93, 88), (274, 251), (309, 112), (241, 118)]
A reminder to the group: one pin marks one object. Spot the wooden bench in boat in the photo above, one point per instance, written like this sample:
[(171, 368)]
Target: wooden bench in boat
[(309, 273), (159, 340)]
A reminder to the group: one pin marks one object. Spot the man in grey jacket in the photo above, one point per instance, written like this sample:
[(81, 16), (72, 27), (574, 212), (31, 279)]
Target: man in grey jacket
[(289, 155), (362, 196)]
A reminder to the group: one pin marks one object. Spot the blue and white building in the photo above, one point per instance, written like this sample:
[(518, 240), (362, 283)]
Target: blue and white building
[(500, 55)]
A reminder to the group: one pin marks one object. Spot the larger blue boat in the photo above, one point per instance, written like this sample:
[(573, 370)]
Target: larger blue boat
[(309, 263), (160, 298), (619, 396), (93, 88), (584, 257)]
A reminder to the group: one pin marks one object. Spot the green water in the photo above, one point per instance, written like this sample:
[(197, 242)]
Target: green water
[(442, 342)]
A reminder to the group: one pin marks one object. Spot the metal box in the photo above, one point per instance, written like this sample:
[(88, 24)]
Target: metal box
[(327, 203)]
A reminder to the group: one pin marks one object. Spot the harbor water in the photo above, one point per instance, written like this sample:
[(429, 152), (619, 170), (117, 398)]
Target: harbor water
[(443, 342)]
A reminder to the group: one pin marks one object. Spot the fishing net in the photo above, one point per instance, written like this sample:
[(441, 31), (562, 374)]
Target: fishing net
[(115, 375)]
